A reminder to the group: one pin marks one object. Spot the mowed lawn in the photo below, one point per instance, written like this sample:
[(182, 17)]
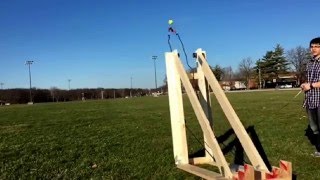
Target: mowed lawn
[(131, 138)]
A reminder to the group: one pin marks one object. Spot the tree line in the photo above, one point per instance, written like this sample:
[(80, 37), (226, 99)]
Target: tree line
[(21, 96)]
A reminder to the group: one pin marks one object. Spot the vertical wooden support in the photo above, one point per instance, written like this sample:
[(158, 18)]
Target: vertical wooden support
[(180, 148), (205, 101)]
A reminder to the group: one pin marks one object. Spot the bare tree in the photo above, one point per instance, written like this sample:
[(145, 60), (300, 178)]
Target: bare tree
[(298, 57), (227, 74), (246, 69)]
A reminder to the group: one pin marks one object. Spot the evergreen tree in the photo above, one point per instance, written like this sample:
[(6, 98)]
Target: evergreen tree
[(218, 72), (282, 65), (273, 64)]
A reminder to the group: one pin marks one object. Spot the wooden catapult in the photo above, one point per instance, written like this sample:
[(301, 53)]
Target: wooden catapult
[(176, 75)]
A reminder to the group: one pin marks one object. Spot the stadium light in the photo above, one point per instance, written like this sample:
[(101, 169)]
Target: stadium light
[(131, 86), (29, 63), (155, 70)]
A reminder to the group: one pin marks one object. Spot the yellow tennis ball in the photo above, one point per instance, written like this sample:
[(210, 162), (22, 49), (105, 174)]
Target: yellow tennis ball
[(170, 22)]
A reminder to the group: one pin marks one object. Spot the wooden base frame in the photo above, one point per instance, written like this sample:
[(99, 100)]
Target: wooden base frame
[(177, 76)]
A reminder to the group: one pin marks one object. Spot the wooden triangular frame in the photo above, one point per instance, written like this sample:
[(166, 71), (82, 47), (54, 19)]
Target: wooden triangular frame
[(176, 75)]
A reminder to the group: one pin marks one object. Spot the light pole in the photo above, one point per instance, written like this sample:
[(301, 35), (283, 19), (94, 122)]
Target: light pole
[(29, 63), (259, 73), (69, 80), (155, 70), (131, 86)]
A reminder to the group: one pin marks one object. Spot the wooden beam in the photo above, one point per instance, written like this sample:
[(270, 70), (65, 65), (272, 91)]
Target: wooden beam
[(232, 117), (179, 138), (202, 160), (246, 174), (205, 101), (286, 169), (284, 172)]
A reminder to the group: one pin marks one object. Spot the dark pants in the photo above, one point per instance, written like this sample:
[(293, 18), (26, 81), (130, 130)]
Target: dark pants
[(314, 122)]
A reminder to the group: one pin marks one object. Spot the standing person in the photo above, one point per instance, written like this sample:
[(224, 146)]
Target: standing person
[(312, 92)]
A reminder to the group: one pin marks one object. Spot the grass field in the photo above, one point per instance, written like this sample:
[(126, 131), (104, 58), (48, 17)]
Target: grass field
[(131, 138)]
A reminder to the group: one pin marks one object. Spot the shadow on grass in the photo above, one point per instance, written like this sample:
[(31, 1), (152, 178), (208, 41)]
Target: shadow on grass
[(239, 151)]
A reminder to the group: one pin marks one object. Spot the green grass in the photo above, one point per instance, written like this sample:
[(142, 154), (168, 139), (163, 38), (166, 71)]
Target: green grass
[(131, 138)]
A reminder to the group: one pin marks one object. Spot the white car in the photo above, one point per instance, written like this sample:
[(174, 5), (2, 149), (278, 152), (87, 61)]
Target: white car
[(286, 86)]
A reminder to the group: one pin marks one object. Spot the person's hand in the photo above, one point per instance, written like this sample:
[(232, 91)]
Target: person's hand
[(305, 87)]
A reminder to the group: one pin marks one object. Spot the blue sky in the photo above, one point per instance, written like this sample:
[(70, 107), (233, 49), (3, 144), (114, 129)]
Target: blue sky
[(105, 43)]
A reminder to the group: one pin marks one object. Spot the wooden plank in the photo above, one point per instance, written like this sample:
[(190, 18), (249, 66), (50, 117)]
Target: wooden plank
[(286, 168), (180, 148), (247, 173), (232, 117), (274, 174), (204, 173), (283, 172), (205, 101), (203, 121), (202, 160)]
